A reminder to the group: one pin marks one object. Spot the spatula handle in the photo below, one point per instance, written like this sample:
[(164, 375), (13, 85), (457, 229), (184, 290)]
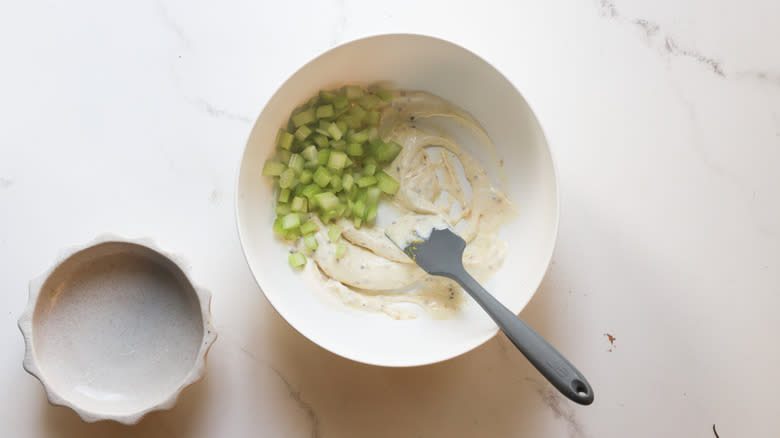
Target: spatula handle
[(559, 371)]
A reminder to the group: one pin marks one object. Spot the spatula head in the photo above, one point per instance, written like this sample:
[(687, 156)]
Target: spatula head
[(440, 253)]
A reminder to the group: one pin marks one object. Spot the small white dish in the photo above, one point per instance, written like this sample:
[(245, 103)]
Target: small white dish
[(115, 329), (412, 62)]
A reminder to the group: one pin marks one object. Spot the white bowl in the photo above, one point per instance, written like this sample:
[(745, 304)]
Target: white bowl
[(115, 329), (412, 62)]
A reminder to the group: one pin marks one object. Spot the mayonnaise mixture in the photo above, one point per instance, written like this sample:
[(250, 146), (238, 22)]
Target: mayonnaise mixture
[(374, 275)]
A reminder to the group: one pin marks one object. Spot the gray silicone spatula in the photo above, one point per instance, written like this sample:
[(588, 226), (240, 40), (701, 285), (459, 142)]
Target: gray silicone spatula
[(440, 253)]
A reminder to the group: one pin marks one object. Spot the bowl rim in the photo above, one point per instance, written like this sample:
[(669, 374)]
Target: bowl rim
[(31, 363), (556, 225)]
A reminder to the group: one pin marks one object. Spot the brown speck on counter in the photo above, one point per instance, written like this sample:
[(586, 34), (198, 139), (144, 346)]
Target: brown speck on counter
[(501, 163), (611, 341), (715, 431), (411, 118)]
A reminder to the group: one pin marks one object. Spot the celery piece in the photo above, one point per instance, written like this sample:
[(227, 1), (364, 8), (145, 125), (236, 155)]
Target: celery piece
[(336, 183), (305, 177), (323, 124), (353, 122), (385, 95), (359, 209), (334, 131), (321, 177), (342, 127), (282, 209), (284, 196), (355, 149), (303, 118), (302, 133), (358, 222), (353, 92), (369, 169), (387, 152), (341, 102), (290, 221), (361, 194), (284, 155), (311, 165), (292, 234), (299, 204), (374, 146), (372, 195), (337, 160), (358, 137), (297, 260), (287, 178), (322, 156), (357, 112), (326, 200), (273, 168), (371, 214), (309, 227), (372, 118), (339, 145), (324, 111), (310, 153), (277, 227), (310, 241), (386, 183), (310, 190), (347, 181), (284, 139), (369, 101), (348, 162), (365, 181), (334, 232), (328, 96), (341, 249), (373, 133), (296, 163), (313, 101), (321, 140)]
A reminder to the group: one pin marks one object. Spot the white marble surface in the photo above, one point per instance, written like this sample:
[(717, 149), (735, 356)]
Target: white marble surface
[(665, 122)]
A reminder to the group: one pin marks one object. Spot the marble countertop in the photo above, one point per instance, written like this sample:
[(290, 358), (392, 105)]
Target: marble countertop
[(664, 118)]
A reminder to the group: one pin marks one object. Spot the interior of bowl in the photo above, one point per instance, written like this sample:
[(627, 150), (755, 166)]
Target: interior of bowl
[(117, 328), (417, 63)]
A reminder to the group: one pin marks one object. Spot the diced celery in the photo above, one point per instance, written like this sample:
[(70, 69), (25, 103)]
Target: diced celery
[(373, 133), (374, 146), (309, 227), (321, 140), (282, 209), (292, 234), (369, 169), (322, 156), (305, 177), (277, 227), (336, 183), (358, 222), (372, 196), (341, 249), (297, 260), (386, 183), (334, 232), (365, 181), (347, 182), (296, 163), (327, 96), (371, 214), (310, 190), (303, 118), (342, 127), (284, 195), (359, 209), (298, 204), (353, 92), (310, 241), (283, 155), (355, 149), (347, 162), (310, 153), (272, 168), (290, 221), (341, 102), (324, 111), (358, 137), (321, 177), (326, 200), (302, 133), (338, 145), (372, 118), (337, 160), (287, 179), (388, 151), (284, 139), (369, 101), (311, 165), (323, 124), (358, 112), (384, 95), (334, 131), (313, 101)]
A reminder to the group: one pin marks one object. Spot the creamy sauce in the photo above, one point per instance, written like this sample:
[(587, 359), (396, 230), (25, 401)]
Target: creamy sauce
[(414, 228), (437, 188)]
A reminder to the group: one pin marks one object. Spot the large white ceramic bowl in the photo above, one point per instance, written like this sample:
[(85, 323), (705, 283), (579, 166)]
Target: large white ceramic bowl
[(413, 62)]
